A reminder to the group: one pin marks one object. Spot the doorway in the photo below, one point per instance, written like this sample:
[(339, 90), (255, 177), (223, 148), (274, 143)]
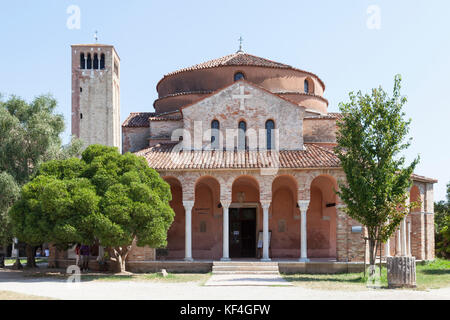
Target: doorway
[(242, 232)]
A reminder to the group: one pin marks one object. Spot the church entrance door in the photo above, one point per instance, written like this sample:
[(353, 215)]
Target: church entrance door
[(243, 233)]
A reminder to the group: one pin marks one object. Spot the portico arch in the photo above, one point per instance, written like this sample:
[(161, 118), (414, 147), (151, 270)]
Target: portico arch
[(206, 220), (245, 217), (321, 223), (415, 220), (175, 235), (285, 218)]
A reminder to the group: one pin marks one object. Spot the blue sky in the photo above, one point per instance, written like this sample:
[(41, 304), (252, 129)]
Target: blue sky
[(329, 38)]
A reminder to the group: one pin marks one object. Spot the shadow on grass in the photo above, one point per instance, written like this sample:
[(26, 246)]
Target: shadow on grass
[(312, 279), (435, 272)]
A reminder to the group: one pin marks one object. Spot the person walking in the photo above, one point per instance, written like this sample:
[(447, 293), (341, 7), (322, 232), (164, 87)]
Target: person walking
[(77, 252), (85, 251)]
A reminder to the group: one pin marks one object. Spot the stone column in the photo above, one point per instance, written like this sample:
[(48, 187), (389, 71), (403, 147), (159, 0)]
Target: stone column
[(409, 239), (387, 248), (265, 205), (403, 237), (188, 205), (226, 231), (303, 204), (399, 244)]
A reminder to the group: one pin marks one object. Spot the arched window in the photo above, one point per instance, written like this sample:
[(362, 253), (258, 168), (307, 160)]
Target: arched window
[(238, 76), (102, 61), (270, 126), (306, 86), (215, 127), (82, 62), (95, 61), (242, 143), (89, 61)]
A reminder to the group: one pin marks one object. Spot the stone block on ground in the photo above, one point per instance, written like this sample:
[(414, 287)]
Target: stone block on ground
[(401, 272)]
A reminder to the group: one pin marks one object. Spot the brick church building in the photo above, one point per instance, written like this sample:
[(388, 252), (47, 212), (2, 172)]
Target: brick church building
[(246, 145)]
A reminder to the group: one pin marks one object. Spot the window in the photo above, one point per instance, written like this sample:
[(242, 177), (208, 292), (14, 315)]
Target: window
[(306, 86), (102, 61), (95, 61), (270, 125), (239, 76), (215, 127), (242, 145), (82, 62), (89, 61)]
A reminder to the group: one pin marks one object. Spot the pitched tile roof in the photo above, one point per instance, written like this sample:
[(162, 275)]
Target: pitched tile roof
[(329, 116), (239, 59), (235, 59), (161, 157), (142, 119), (416, 177), (138, 119)]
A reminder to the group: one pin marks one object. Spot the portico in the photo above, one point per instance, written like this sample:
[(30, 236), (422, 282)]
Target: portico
[(244, 214)]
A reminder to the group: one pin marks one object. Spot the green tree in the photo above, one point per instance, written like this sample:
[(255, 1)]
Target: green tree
[(29, 135), (103, 196), (134, 201), (371, 136), (54, 209), (9, 192), (442, 226)]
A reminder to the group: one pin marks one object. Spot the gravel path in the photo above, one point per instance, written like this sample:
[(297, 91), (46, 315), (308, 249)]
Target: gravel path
[(148, 290)]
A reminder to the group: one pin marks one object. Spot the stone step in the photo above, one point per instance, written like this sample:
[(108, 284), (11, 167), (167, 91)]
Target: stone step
[(247, 272), (244, 263), (245, 268)]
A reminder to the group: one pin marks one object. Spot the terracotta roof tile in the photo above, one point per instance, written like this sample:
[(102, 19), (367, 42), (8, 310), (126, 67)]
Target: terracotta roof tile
[(416, 177), (142, 119), (161, 157), (138, 119), (235, 59), (239, 59), (329, 116)]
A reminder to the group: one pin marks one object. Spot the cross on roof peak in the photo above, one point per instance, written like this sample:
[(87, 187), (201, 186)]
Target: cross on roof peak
[(241, 40)]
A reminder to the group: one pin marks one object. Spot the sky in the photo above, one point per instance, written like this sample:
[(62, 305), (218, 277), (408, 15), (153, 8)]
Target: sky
[(351, 45)]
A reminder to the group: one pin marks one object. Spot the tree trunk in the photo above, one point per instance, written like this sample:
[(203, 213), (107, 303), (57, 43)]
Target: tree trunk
[(372, 256), (401, 272), (121, 254), (31, 261)]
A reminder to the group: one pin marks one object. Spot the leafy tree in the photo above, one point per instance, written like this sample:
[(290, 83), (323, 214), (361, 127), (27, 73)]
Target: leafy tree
[(371, 136), (9, 192), (29, 135), (103, 196), (442, 226), (56, 210), (134, 201)]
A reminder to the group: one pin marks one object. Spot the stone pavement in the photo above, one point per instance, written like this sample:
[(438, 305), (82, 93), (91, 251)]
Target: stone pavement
[(247, 280)]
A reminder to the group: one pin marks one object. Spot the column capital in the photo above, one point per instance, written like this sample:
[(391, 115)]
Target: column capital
[(188, 205), (265, 204), (225, 203), (303, 205)]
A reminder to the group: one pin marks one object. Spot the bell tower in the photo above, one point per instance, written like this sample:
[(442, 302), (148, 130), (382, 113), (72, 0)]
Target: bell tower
[(96, 95)]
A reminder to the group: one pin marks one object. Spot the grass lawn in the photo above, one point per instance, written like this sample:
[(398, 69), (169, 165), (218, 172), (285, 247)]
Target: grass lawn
[(24, 261), (155, 277), (430, 275), (200, 278), (8, 295)]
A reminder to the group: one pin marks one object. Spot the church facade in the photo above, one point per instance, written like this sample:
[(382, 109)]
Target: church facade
[(246, 145)]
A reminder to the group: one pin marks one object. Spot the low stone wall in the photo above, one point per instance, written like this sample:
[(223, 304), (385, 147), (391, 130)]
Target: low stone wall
[(320, 267), (286, 267), (170, 266)]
